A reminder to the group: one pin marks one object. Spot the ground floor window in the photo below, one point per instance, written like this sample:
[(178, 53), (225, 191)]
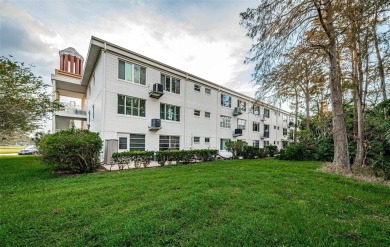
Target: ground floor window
[(196, 139), (266, 143), (137, 142), (256, 143), (122, 143), (223, 144), (169, 143)]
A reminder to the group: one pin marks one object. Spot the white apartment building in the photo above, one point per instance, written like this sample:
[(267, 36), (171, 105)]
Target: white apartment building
[(144, 104)]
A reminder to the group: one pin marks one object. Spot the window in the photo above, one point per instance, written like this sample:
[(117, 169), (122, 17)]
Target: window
[(274, 142), (274, 127), (131, 106), (284, 131), (137, 142), (196, 139), (277, 128), (131, 72), (122, 143), (266, 113), (266, 131), (277, 143), (93, 112), (256, 110), (207, 139), (242, 105), (207, 91), (197, 113), (197, 87), (171, 84), (225, 121), (284, 117), (241, 124), (266, 143), (89, 116), (170, 112), (256, 127), (222, 145), (93, 79), (256, 143), (226, 100), (207, 114), (169, 142)]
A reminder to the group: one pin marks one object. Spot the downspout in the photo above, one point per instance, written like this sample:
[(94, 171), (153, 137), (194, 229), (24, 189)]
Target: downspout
[(104, 90), (184, 113)]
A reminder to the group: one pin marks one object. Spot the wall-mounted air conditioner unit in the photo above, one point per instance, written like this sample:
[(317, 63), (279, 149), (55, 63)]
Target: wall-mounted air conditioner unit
[(155, 124), (237, 111), (237, 132), (157, 91)]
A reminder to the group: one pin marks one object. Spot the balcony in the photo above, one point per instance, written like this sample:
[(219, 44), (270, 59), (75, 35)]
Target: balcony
[(72, 110)]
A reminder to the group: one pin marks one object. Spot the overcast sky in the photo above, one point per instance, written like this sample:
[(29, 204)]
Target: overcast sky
[(201, 37)]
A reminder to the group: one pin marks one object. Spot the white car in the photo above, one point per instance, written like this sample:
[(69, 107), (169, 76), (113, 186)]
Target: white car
[(225, 154), (29, 150)]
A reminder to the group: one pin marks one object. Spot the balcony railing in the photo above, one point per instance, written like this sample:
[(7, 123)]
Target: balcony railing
[(70, 108)]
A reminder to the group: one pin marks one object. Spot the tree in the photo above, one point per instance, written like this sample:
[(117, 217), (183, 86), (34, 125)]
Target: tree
[(277, 25), (24, 99)]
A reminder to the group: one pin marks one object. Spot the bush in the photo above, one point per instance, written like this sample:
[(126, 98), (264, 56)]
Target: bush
[(271, 150), (324, 149), (236, 147), (295, 152), (137, 157), (252, 152), (74, 150), (179, 156)]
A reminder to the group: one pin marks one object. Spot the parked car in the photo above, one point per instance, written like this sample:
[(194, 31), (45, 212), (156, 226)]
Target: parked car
[(222, 154), (29, 150)]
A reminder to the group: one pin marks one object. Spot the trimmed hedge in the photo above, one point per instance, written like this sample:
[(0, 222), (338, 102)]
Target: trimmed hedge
[(73, 149), (179, 156), (138, 158)]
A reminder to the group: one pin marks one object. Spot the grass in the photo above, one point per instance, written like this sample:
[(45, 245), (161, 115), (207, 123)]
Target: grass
[(10, 149), (223, 203)]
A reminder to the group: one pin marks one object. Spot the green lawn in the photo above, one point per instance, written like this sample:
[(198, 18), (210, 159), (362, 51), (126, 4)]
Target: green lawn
[(10, 149), (224, 203)]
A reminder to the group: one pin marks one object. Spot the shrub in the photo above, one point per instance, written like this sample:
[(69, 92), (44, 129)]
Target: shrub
[(324, 149), (271, 150), (251, 152), (75, 150), (137, 157), (236, 147), (179, 156), (295, 152)]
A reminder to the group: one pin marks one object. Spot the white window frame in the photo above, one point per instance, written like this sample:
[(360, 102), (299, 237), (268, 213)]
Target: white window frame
[(207, 91), (172, 145), (197, 87), (224, 102), (241, 123), (196, 140), (225, 122), (172, 80), (197, 113), (133, 74), (176, 112), (258, 127), (207, 114), (132, 107)]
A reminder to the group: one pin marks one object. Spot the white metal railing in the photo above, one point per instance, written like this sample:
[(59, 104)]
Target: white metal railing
[(72, 108)]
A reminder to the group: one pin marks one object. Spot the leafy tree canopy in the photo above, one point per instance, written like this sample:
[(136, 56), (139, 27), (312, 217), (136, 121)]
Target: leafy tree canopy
[(24, 99)]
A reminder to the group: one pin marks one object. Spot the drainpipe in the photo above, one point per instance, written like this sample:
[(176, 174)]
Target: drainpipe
[(104, 92)]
